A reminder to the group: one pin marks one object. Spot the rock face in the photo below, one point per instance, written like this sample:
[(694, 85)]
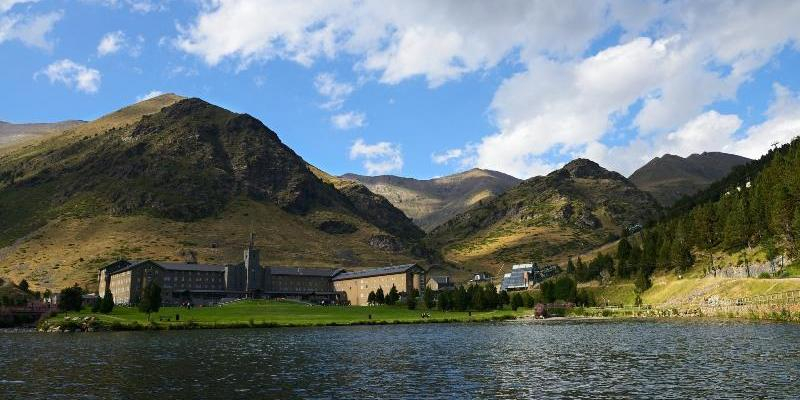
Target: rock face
[(430, 203), (670, 177), (573, 209)]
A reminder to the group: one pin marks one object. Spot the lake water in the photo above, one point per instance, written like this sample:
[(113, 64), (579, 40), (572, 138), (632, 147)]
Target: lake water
[(559, 359)]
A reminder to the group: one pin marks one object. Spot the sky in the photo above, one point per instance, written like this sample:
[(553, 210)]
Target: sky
[(427, 88)]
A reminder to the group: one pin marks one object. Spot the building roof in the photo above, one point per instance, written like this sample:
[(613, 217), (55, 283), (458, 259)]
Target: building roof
[(394, 269), (172, 266), (442, 280), (305, 271), (191, 267)]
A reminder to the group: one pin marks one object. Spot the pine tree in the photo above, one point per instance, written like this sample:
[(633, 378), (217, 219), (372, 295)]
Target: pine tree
[(393, 296), (428, 298), (371, 298), (380, 298), (107, 304), (151, 299), (570, 267), (516, 301), (443, 301)]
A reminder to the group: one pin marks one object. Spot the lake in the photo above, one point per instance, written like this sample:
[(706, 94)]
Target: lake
[(555, 359)]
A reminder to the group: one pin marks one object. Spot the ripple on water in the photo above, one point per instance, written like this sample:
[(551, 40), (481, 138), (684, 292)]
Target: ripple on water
[(565, 359)]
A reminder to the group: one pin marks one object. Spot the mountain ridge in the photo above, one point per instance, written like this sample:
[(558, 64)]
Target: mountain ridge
[(545, 218), (431, 202), (670, 177)]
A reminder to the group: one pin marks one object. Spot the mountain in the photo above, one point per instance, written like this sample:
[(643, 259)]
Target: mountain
[(571, 210), (15, 133), (671, 177), (171, 178), (429, 203)]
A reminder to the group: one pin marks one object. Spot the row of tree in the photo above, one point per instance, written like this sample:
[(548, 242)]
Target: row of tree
[(562, 288), (758, 204)]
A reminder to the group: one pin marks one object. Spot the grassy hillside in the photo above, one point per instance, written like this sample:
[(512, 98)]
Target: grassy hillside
[(430, 203), (189, 177), (70, 249), (567, 212)]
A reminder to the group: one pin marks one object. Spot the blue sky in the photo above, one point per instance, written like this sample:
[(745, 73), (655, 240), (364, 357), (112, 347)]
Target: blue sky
[(426, 89)]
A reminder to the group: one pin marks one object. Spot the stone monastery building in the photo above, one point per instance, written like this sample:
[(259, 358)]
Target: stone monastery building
[(208, 284)]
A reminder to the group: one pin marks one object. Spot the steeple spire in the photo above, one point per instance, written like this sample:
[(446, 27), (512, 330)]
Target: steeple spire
[(252, 239)]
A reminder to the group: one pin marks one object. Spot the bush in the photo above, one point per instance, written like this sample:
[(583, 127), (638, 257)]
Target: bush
[(764, 275), (70, 299), (516, 301)]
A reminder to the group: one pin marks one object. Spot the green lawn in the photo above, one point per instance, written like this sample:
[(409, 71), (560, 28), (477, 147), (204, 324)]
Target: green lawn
[(263, 313)]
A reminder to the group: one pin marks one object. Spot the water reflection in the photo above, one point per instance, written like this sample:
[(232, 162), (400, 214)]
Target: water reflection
[(566, 359)]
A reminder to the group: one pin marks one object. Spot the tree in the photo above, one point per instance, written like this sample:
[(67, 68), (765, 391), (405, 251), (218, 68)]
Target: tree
[(393, 296), (428, 298), (96, 306), (580, 270), (528, 300), (443, 301), (570, 267), (24, 286), (491, 299), (379, 296), (107, 304), (371, 297), (681, 255), (516, 301), (411, 299), (503, 298), (151, 299), (624, 249), (642, 282), (71, 299)]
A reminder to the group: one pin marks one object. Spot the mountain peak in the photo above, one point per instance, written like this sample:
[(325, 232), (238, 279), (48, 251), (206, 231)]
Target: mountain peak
[(588, 169), (670, 177)]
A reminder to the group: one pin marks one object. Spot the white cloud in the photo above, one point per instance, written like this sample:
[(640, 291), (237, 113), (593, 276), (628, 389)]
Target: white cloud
[(709, 131), (111, 43), (380, 158), (30, 29), (672, 62), (349, 120), (6, 5), (69, 73), (335, 92), (445, 157), (138, 6), (149, 95), (439, 40), (782, 125), (114, 42)]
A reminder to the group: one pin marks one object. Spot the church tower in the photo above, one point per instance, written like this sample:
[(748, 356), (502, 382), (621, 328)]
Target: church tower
[(254, 274)]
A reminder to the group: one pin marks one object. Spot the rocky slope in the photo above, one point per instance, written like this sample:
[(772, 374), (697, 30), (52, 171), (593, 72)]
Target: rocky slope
[(546, 218), (670, 177), (171, 176), (429, 203)]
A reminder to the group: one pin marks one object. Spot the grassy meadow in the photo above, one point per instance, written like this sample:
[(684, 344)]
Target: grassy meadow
[(266, 313)]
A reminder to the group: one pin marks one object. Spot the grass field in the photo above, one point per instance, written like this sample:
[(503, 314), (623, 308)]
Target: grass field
[(263, 313)]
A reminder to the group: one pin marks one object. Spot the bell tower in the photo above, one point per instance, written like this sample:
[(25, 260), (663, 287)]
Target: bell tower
[(254, 275)]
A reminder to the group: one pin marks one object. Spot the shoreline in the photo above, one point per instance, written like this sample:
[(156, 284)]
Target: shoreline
[(94, 325)]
